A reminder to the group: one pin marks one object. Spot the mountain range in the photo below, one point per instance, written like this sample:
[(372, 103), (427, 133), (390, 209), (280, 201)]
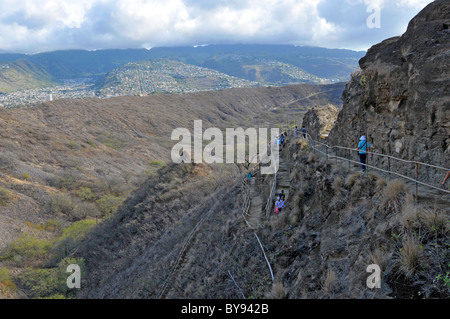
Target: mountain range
[(261, 63)]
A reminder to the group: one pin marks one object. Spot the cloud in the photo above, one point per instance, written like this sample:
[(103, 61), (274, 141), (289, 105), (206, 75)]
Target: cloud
[(43, 25)]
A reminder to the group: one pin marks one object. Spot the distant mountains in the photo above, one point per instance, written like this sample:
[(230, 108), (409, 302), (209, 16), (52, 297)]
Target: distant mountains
[(265, 64)]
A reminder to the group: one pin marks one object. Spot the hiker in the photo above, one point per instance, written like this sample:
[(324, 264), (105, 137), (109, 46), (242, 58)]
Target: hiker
[(296, 131), (279, 205), (363, 148), (249, 176), (304, 131), (445, 178), (282, 195)]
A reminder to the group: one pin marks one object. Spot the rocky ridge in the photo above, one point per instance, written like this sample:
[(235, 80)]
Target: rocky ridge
[(400, 97)]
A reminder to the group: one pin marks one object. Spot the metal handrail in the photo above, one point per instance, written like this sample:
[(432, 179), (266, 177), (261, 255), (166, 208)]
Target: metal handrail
[(416, 163), (379, 154), (272, 192)]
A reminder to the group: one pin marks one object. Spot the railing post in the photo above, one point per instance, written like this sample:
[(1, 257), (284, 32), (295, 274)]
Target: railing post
[(417, 178), (349, 155), (389, 166)]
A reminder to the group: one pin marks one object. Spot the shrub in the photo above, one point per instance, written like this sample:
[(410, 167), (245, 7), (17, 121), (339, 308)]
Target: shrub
[(67, 181), (8, 161), (72, 145), (77, 230), (61, 203), (50, 282), (91, 143), (7, 287), (70, 238), (5, 196), (26, 248), (85, 194), (108, 204), (158, 163)]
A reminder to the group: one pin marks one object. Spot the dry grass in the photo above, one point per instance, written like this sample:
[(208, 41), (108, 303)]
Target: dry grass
[(338, 183), (435, 222), (379, 257), (409, 256), (278, 291), (409, 215), (351, 179), (311, 158), (380, 184), (329, 282), (394, 190)]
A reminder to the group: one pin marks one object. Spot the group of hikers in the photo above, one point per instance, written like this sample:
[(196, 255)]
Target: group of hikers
[(363, 149), (281, 140), (303, 130)]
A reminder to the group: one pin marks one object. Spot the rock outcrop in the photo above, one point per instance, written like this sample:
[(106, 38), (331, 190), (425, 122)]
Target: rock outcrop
[(400, 98), (319, 120)]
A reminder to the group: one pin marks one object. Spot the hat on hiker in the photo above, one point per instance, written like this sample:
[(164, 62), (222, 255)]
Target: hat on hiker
[(363, 138)]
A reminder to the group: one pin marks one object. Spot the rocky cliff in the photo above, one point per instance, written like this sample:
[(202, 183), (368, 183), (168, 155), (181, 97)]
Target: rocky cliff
[(400, 98), (319, 120)]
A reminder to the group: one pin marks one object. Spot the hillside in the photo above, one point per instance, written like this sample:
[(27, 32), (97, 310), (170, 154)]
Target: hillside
[(109, 146), (337, 220), (149, 77), (22, 75), (167, 244)]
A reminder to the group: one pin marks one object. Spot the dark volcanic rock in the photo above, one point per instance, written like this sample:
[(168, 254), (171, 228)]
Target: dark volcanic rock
[(400, 99)]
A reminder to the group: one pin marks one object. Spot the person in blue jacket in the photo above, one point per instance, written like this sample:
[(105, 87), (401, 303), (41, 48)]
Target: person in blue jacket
[(363, 148)]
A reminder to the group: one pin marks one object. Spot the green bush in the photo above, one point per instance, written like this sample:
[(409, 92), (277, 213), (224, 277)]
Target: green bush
[(91, 143), (72, 145), (70, 238), (77, 230), (85, 194), (26, 248), (157, 163), (108, 204), (5, 196), (49, 283), (7, 287)]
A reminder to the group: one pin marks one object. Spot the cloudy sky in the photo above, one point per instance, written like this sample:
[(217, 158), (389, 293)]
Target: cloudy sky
[(31, 26)]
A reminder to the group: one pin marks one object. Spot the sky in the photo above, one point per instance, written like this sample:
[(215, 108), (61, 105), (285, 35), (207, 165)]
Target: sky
[(32, 26)]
